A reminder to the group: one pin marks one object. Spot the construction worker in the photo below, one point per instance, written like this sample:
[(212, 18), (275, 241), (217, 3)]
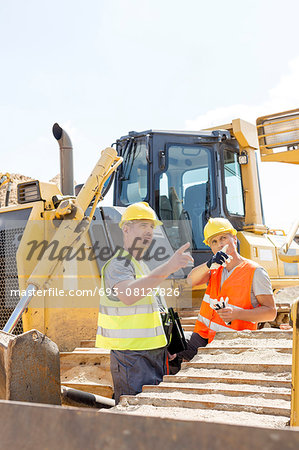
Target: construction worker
[(239, 292), (129, 321)]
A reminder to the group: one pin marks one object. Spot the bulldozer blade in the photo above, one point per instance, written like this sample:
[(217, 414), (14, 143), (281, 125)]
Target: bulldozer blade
[(29, 368), (48, 427)]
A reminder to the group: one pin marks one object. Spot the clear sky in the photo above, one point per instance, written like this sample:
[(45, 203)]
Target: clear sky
[(101, 68)]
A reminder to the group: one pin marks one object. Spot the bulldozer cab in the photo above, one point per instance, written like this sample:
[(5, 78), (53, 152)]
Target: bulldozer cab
[(186, 178)]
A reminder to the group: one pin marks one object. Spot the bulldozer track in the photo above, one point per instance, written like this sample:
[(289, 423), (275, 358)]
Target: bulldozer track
[(241, 377)]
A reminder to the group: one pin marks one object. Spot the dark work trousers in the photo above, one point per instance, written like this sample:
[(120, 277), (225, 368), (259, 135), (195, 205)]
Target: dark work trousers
[(132, 369), (194, 341)]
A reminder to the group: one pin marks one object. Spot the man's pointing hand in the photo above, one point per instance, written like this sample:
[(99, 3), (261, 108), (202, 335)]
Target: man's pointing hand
[(180, 258)]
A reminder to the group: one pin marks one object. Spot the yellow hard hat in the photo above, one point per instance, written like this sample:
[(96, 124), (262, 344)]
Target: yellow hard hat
[(216, 226), (139, 211)]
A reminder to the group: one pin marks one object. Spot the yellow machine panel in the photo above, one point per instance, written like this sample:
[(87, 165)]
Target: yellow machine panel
[(264, 250)]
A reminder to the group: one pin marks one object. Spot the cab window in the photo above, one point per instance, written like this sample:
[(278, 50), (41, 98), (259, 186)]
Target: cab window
[(186, 196), (233, 184), (134, 185)]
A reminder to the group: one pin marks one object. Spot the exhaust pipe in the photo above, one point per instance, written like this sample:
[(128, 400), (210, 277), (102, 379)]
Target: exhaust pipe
[(66, 160)]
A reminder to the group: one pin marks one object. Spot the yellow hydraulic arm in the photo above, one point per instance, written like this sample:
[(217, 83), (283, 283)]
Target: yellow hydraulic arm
[(69, 232)]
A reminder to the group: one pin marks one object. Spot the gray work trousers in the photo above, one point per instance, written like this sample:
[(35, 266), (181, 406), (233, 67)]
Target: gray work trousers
[(132, 369)]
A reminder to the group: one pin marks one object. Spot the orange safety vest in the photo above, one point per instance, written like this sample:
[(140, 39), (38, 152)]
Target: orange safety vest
[(237, 287)]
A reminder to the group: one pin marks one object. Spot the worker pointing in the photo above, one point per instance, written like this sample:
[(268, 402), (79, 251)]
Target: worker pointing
[(239, 292), (153, 279), (129, 321)]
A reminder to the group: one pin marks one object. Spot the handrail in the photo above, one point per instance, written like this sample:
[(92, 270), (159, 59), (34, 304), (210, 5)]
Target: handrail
[(279, 131), (282, 252)]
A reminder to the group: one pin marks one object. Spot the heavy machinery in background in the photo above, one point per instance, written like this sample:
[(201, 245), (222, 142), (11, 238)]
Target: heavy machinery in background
[(53, 244), (186, 177), (29, 362)]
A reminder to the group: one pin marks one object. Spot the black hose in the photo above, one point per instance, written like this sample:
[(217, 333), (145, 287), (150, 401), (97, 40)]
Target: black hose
[(106, 188), (86, 398), (7, 195)]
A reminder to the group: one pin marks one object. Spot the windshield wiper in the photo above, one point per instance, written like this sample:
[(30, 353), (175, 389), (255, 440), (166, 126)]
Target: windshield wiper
[(208, 201), (126, 154)]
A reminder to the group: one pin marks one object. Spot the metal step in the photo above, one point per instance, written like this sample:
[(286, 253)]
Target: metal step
[(201, 416), (265, 333), (227, 336), (238, 349), (199, 378), (245, 367), (223, 389), (255, 404)]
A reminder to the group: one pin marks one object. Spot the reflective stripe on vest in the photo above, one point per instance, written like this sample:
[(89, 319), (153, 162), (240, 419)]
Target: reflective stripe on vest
[(213, 326), (129, 310), (237, 287), (129, 333), (129, 327)]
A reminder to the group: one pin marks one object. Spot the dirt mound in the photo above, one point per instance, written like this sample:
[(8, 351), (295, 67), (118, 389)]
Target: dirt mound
[(56, 180), (288, 294), (16, 179)]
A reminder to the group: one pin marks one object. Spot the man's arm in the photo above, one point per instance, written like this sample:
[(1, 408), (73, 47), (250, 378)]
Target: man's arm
[(139, 286), (263, 313), (199, 275)]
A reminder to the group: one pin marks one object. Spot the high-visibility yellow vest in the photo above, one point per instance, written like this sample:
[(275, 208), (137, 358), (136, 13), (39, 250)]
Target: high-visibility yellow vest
[(129, 327)]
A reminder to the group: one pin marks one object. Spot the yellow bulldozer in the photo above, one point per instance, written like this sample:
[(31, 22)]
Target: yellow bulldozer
[(54, 242)]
